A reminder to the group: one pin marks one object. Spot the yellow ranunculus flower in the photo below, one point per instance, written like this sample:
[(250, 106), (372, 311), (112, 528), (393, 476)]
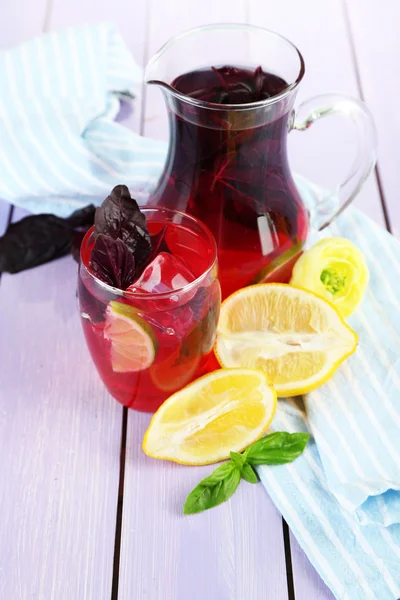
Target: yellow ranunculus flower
[(336, 270)]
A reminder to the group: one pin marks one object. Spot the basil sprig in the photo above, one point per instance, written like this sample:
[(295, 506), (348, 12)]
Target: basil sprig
[(275, 449)]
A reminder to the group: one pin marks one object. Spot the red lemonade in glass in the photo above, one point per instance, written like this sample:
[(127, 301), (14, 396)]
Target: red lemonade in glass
[(153, 338)]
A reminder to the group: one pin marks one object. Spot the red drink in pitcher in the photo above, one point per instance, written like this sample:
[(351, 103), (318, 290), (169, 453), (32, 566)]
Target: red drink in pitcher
[(230, 91), (153, 338), (233, 174)]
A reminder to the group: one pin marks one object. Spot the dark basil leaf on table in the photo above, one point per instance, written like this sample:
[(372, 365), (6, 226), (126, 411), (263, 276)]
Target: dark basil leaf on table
[(38, 239), (120, 217), (112, 262), (214, 489), (83, 217), (33, 241)]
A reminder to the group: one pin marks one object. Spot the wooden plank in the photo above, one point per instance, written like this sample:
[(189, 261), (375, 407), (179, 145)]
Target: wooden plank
[(308, 584), (21, 20), (231, 552), (60, 430), (377, 48), (59, 444), (324, 152), (223, 553), (319, 153)]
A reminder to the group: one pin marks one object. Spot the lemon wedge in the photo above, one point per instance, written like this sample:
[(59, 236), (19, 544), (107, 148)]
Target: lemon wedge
[(225, 410), (295, 337), (335, 269)]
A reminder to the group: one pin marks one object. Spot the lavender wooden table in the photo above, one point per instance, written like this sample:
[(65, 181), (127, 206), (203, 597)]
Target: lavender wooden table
[(84, 514)]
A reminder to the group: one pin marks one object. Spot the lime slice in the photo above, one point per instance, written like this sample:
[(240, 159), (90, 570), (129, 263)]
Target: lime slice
[(336, 270), (174, 372), (133, 342)]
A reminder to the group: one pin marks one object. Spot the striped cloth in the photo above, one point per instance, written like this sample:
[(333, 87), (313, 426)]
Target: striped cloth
[(341, 498), (59, 145), (60, 149)]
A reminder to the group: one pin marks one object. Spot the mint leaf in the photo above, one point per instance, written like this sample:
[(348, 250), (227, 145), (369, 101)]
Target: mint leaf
[(249, 474), (274, 449), (238, 459), (277, 448), (246, 471), (214, 489)]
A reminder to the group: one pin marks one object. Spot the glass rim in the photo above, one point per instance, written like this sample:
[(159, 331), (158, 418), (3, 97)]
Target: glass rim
[(213, 105), (151, 295)]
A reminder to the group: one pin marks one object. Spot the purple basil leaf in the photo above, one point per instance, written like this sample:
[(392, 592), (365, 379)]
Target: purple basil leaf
[(120, 218), (83, 217), (112, 262), (37, 239), (33, 241), (158, 244)]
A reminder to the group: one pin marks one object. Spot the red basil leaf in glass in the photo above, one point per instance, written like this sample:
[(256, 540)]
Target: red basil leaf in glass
[(158, 244), (112, 262), (120, 218), (229, 85)]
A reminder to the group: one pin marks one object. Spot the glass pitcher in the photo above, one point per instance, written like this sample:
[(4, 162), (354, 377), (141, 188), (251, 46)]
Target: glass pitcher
[(227, 161)]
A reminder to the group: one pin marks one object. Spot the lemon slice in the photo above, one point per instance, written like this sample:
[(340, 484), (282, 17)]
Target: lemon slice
[(133, 343), (225, 410), (336, 270), (295, 337)]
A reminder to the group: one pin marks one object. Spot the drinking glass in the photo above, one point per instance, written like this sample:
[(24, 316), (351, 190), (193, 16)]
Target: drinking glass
[(147, 345)]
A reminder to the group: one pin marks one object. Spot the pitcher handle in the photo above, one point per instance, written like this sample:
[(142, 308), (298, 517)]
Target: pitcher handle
[(326, 105)]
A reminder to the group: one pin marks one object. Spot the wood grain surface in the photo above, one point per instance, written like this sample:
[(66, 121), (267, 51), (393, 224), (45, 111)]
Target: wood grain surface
[(215, 554), (59, 444), (373, 27), (60, 432)]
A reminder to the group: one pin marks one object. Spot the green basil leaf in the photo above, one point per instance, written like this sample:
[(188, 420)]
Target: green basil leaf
[(214, 489), (277, 448), (219, 473), (238, 459), (249, 474)]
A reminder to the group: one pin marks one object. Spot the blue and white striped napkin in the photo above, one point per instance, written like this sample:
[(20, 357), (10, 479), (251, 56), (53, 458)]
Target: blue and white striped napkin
[(60, 149), (341, 498), (59, 145)]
